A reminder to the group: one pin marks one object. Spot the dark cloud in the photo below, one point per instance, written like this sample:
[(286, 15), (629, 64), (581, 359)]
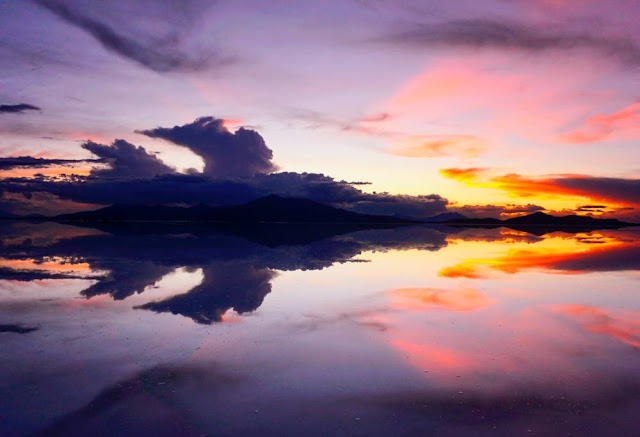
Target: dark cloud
[(325, 189), (238, 168), (125, 278), (593, 207), (161, 55), (163, 189), (32, 162), (238, 286), (193, 189), (226, 154), (614, 189), (485, 33), (126, 160), (18, 329), (18, 109)]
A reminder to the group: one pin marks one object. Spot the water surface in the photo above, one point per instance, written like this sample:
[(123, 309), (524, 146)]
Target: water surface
[(170, 330)]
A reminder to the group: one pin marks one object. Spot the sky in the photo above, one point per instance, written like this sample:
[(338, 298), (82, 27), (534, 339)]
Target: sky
[(414, 108)]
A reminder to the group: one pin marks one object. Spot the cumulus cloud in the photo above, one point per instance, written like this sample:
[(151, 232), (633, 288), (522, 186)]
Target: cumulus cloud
[(126, 160), (160, 55), (18, 109), (238, 286), (486, 33), (242, 153)]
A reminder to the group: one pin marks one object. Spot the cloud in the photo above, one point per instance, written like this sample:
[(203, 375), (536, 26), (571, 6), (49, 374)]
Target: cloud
[(155, 54), (192, 189), (325, 189), (126, 160), (432, 146), (622, 124), (18, 329), (615, 190), (17, 109), (586, 207), (485, 33), (125, 278), (33, 162), (463, 174), (604, 252), (238, 286), (226, 154), (623, 326), (618, 191), (388, 127), (462, 299), (238, 168)]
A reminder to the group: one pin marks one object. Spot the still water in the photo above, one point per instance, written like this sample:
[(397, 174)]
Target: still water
[(272, 331)]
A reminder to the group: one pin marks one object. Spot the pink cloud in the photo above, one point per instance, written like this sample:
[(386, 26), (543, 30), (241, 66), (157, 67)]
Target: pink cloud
[(622, 124), (498, 97), (623, 326)]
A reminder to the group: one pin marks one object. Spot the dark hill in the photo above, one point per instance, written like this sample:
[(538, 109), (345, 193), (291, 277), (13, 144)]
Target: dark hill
[(446, 216), (542, 219), (540, 222), (270, 209)]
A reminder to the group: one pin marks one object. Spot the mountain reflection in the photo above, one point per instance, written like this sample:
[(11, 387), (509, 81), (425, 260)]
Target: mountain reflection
[(239, 263)]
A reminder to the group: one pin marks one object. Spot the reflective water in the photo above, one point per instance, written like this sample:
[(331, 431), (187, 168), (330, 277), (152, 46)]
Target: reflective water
[(175, 330)]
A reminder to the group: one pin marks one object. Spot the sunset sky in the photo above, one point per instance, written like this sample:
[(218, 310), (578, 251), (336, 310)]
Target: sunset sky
[(488, 108)]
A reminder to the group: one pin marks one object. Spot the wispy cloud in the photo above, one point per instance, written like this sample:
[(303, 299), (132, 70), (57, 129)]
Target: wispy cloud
[(433, 146), (622, 124), (486, 33), (157, 55)]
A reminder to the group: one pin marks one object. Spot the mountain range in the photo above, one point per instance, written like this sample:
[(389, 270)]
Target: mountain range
[(270, 209), (277, 209), (541, 221)]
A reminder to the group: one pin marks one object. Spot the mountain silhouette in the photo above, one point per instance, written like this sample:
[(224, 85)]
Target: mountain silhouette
[(540, 223), (270, 209), (540, 218), (445, 217)]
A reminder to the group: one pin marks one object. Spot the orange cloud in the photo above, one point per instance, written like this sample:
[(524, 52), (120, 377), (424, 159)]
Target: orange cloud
[(468, 175), (470, 271), (431, 146), (54, 265), (620, 192)]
